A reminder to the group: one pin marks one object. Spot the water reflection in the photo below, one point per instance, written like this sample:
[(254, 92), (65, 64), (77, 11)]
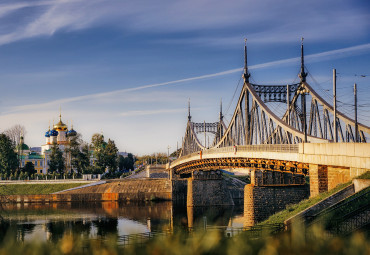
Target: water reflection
[(50, 222)]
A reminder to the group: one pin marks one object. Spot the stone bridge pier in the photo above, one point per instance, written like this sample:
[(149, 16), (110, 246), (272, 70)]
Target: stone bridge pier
[(207, 188), (270, 192)]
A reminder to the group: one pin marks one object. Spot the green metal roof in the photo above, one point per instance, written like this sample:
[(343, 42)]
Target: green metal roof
[(23, 147)]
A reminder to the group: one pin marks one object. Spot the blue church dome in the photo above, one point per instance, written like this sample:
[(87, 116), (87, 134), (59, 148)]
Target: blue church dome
[(72, 132), (47, 134), (53, 133)]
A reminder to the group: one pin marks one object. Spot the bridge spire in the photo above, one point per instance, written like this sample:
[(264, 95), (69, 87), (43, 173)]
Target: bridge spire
[(246, 74), (302, 74), (189, 116)]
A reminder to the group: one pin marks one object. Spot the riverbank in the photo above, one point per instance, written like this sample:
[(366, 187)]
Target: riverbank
[(294, 209), (35, 188)]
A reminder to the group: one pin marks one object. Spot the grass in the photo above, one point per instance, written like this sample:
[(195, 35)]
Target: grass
[(349, 204), (210, 242), (292, 210), (35, 189), (365, 175)]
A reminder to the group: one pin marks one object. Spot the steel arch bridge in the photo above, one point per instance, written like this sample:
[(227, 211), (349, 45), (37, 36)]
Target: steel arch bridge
[(308, 119)]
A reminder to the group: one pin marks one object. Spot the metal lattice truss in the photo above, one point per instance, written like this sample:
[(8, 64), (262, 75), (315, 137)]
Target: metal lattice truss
[(275, 93), (254, 123), (191, 142), (321, 121)]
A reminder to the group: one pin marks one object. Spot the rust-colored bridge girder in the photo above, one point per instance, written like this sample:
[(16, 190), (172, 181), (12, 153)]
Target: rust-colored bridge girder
[(239, 162)]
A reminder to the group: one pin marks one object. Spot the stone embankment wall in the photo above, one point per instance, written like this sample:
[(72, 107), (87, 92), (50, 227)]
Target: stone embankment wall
[(132, 189), (179, 191), (157, 171), (236, 189), (212, 189), (124, 190), (206, 188), (262, 201)]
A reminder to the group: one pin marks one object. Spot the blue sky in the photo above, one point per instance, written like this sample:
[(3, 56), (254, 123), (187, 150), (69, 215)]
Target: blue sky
[(128, 67)]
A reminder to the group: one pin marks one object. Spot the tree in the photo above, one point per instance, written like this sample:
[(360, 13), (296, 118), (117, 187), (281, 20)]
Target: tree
[(176, 153), (84, 158), (155, 158), (97, 141), (29, 169), (126, 163), (15, 133), (104, 153), (98, 145), (8, 157), (79, 154), (56, 163), (111, 152)]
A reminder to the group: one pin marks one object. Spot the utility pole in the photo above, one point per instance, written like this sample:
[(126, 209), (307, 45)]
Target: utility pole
[(356, 124), (205, 135), (335, 104), (288, 104)]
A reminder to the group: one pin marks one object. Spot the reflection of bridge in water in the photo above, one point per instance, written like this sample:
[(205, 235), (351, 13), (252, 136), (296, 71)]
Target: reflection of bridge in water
[(99, 220), (311, 138)]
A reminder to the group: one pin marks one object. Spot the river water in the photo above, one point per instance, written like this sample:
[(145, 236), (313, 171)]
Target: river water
[(50, 222)]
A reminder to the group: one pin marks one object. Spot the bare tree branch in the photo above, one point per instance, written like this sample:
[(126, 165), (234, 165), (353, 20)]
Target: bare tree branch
[(15, 133)]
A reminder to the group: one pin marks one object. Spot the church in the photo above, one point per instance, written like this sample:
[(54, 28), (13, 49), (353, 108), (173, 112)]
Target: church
[(59, 135)]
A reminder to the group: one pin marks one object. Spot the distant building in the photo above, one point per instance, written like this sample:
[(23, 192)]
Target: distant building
[(35, 149), (26, 155), (36, 159), (123, 154)]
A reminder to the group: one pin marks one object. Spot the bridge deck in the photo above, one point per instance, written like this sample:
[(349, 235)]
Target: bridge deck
[(347, 155)]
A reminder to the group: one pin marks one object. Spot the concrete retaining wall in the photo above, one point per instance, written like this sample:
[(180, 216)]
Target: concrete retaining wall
[(361, 184), (318, 207)]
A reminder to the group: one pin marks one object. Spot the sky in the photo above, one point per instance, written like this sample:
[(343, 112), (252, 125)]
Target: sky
[(128, 68)]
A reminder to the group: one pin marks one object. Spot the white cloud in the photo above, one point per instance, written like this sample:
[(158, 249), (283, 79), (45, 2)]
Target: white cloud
[(150, 112), (262, 21), (339, 53)]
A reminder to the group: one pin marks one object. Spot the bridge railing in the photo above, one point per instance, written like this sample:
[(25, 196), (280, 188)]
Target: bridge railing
[(291, 148), (285, 148)]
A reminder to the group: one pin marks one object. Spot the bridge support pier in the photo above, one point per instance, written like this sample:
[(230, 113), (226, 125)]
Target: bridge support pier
[(262, 201), (271, 191), (318, 179), (271, 177), (206, 188), (324, 178)]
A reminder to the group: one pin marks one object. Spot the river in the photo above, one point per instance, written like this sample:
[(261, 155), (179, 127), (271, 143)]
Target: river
[(50, 222)]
